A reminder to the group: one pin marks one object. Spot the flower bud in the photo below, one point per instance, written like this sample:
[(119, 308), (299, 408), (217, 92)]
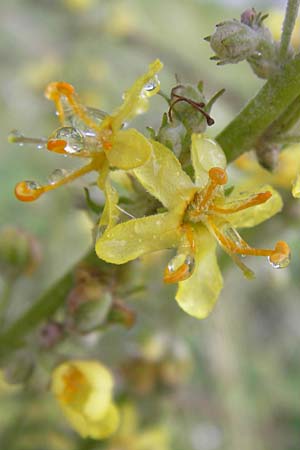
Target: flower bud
[(172, 135), (233, 42), (20, 253), (249, 39)]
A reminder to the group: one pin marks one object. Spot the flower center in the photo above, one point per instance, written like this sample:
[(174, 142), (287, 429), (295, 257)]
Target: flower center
[(76, 387)]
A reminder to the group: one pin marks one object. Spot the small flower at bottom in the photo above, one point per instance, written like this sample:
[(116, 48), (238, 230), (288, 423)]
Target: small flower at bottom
[(91, 134), (199, 216), (84, 392)]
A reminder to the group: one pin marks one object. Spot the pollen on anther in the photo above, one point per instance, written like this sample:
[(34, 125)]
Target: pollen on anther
[(57, 145), (218, 175), (26, 192)]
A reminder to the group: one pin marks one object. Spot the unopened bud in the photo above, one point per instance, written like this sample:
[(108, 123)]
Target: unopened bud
[(233, 42), (250, 40), (20, 253)]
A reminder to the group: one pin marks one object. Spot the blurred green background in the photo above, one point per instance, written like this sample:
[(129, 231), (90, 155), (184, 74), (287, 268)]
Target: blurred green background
[(242, 392)]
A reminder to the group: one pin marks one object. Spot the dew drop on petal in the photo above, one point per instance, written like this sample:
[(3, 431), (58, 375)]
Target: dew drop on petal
[(151, 87)]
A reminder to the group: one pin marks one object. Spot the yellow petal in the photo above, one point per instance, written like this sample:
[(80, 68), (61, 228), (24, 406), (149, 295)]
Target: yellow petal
[(136, 98), (198, 294), (164, 177), (296, 187), (130, 149), (110, 213), (206, 154), (129, 240), (256, 214)]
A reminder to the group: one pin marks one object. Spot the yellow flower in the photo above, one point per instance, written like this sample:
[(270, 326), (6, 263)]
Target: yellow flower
[(84, 392), (128, 436), (90, 133), (199, 215), (286, 175)]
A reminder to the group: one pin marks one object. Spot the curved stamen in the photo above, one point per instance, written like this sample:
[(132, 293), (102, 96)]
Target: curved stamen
[(197, 105), (57, 89), (278, 257), (28, 191), (258, 199)]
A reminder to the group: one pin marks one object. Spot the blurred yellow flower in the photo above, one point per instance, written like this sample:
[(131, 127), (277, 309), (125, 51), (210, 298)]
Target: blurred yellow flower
[(198, 215), (274, 22), (129, 437), (90, 133), (84, 392), (285, 175)]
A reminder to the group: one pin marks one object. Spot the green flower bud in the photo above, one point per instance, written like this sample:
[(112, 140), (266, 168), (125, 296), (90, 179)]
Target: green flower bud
[(233, 42), (250, 40), (20, 253), (172, 135)]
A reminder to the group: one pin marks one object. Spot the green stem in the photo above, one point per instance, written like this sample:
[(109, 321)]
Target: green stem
[(42, 309), (271, 101), (5, 298), (288, 26)]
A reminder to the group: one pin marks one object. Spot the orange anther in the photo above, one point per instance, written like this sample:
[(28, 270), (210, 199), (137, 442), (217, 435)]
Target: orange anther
[(57, 145), (56, 88), (25, 192), (282, 247), (218, 175)]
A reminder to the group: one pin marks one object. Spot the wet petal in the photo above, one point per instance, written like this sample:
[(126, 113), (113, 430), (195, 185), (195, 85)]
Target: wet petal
[(110, 213), (130, 149), (296, 187), (198, 294), (206, 154), (164, 177), (255, 214), (134, 238), (136, 98)]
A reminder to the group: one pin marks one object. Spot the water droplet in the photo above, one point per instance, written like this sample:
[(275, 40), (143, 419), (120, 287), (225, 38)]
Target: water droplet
[(179, 268), (32, 185), (100, 231), (57, 175), (73, 137), (279, 261), (151, 86)]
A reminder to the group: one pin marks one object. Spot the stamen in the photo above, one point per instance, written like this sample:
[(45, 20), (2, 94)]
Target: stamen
[(217, 177), (279, 257), (56, 90), (57, 146), (258, 199), (28, 191), (74, 382), (15, 137)]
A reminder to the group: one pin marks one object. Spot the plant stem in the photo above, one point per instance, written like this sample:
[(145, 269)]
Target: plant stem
[(42, 309), (288, 26), (5, 298), (271, 101)]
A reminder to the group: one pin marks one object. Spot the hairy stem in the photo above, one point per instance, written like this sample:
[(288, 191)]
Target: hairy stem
[(271, 101), (42, 309), (288, 26)]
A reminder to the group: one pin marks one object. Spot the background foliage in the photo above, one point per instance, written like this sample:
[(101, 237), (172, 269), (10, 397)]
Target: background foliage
[(240, 391)]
